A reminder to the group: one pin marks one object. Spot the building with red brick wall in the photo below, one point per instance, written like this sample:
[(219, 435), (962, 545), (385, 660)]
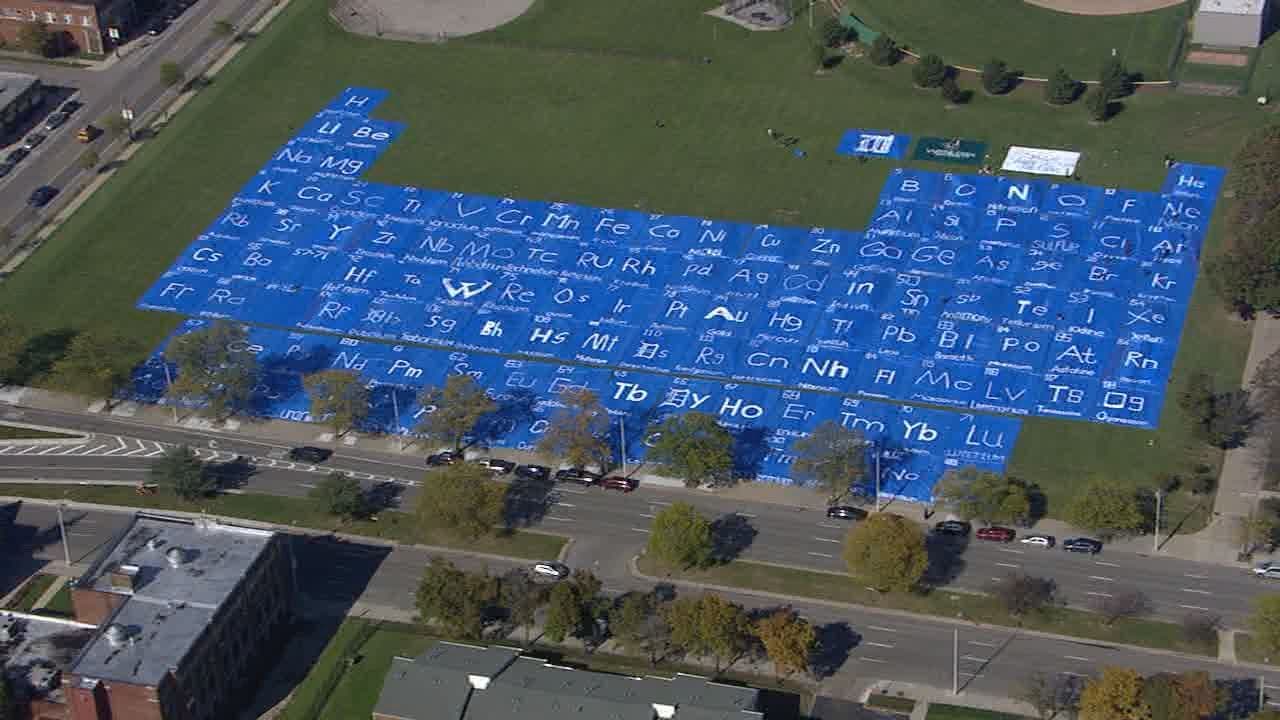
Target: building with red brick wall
[(83, 26)]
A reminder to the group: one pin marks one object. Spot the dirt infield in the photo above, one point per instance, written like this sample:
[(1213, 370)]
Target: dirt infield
[(1205, 57), (426, 20), (1104, 7)]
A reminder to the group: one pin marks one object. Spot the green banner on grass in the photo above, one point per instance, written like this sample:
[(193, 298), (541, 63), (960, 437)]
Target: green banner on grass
[(953, 150)]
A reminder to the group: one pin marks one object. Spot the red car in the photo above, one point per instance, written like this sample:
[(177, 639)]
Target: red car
[(996, 533), (617, 482)]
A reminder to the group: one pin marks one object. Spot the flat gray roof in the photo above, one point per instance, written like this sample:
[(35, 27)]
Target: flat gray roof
[(1233, 7), (38, 648), (442, 674), (12, 85), (170, 605)]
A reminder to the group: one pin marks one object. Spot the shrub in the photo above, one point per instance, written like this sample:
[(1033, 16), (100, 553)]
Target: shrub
[(929, 72), (884, 51), (1098, 103), (996, 78), (833, 33), (1061, 88), (951, 91)]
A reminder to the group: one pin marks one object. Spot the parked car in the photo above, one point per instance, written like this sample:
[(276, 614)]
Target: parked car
[(55, 121), (87, 133), (448, 457), (70, 106), (17, 156), (996, 533), (7, 167), (310, 454), (846, 512), (551, 570), (1082, 545), (619, 483), (953, 527), (584, 477), (33, 140), (42, 195), (534, 472), (1046, 541), (497, 466), (1270, 571)]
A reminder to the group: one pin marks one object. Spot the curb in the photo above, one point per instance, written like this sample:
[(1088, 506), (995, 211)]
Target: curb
[(634, 569)]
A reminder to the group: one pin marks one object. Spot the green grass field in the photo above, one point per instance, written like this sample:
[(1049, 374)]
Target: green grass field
[(561, 105), (1031, 39)]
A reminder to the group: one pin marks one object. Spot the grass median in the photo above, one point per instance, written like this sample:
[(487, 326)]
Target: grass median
[(972, 607), (302, 513), (14, 432)]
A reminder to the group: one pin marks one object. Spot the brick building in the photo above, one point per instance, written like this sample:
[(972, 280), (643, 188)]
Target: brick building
[(182, 614), (83, 26)]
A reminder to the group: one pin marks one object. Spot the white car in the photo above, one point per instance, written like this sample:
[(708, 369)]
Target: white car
[(1044, 541), (1267, 570), (551, 570)]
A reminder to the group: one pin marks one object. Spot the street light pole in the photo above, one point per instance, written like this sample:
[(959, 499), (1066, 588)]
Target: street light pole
[(955, 662), (62, 531), (395, 404), (622, 438), (168, 380), (1155, 542), (877, 447)]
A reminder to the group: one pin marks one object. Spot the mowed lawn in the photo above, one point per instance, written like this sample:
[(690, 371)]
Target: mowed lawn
[(1031, 39), (563, 105)]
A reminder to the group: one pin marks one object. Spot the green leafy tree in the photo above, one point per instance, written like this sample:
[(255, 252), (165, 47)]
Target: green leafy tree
[(1196, 398), (37, 39), (522, 596), (340, 495), (984, 495), (951, 91), (171, 74), (681, 537), (884, 51), (929, 72), (338, 397), (1114, 78), (451, 412), (1106, 508), (461, 499), (833, 33), (214, 371), (996, 77), (1264, 624), (455, 599), (13, 343), (97, 364), (115, 126), (887, 551), (179, 468), (89, 159), (788, 640), (578, 431), (573, 607), (638, 626), (1061, 89), (1114, 695), (693, 446), (833, 458), (709, 626), (1098, 102)]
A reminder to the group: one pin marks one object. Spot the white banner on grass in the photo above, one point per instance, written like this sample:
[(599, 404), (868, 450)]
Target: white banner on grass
[(1041, 161)]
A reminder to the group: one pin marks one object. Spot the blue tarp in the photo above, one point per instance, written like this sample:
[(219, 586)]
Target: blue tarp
[(874, 143)]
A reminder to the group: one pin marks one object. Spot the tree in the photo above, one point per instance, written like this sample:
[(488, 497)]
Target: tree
[(996, 77), (1196, 398), (572, 608), (578, 431), (1264, 623), (638, 626), (681, 537), (1200, 629), (97, 364), (1106, 508), (1021, 594), (115, 126), (1231, 420), (820, 57), (171, 73), (788, 640), (37, 39), (339, 397), (522, 596), (455, 599), (340, 495), (1115, 695), (1050, 694), (462, 499), (888, 551), (223, 28), (833, 458), (834, 34), (884, 51), (693, 446), (13, 342), (451, 412), (214, 372), (984, 495), (1254, 531), (709, 626), (929, 72), (1122, 604), (89, 159), (1098, 102), (1061, 88), (180, 469), (951, 91), (1114, 78)]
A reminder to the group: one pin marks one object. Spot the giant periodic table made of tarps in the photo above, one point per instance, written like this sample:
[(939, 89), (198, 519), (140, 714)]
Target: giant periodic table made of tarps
[(975, 292)]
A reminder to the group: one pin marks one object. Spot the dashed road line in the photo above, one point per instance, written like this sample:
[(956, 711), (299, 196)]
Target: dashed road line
[(881, 629), (1012, 551), (982, 644), (821, 555), (878, 644), (1099, 594), (1104, 563), (1103, 579), (557, 518), (826, 540), (1012, 565), (873, 660), (643, 530), (1197, 592), (1195, 607), (1077, 658), (1194, 576)]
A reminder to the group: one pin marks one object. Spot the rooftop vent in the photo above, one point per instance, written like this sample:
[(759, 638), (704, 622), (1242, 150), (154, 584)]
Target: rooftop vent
[(10, 628), (116, 635), (42, 678), (175, 556), (125, 577), (154, 543)]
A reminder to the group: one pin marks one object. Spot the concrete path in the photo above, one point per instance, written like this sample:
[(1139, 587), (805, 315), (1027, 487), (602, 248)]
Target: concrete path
[(1104, 7)]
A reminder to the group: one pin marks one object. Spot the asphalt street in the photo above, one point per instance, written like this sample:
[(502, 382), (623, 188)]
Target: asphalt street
[(133, 82), (611, 526), (857, 644)]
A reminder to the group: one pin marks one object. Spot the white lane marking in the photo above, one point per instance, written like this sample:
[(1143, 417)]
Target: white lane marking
[(1012, 565), (1099, 577), (881, 629), (68, 451), (877, 644), (648, 515), (826, 540), (830, 525), (559, 519), (1072, 674), (50, 449), (563, 504), (1105, 563), (6, 448), (1077, 658), (1197, 592), (643, 530), (873, 660), (1194, 607), (1012, 551), (154, 453), (26, 450), (983, 644), (823, 555), (307, 485), (1099, 594), (746, 515), (973, 658), (1197, 577), (659, 502)]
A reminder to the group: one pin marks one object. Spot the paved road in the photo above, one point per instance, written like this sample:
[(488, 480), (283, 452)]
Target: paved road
[(861, 644), (612, 526), (133, 81)]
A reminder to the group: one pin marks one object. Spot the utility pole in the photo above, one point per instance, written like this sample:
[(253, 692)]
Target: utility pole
[(955, 662), (877, 447), (395, 405), (1155, 542), (622, 438), (62, 531), (168, 380)]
